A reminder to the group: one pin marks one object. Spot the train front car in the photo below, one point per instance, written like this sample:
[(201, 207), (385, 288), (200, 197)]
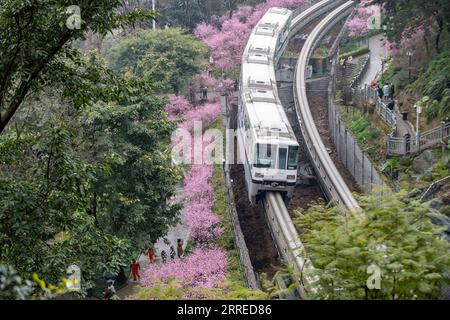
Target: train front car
[(267, 145)]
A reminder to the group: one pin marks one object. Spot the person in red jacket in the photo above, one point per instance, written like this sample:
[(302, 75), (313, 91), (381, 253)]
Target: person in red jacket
[(151, 255), (135, 267)]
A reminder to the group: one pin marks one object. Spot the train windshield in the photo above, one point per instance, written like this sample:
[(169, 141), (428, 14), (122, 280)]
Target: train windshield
[(266, 155), (293, 158), (282, 157)]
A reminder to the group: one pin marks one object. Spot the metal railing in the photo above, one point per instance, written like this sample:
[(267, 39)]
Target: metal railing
[(398, 146), (356, 81), (412, 145), (369, 95)]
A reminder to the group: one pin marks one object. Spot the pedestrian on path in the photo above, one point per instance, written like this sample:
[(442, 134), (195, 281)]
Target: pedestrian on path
[(163, 256), (392, 91), (407, 137), (373, 85), (386, 92), (135, 267), (180, 248), (172, 253), (151, 255), (110, 291), (380, 92)]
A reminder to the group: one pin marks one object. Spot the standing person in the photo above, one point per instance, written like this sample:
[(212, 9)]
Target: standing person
[(205, 93), (110, 291), (180, 248), (172, 253), (151, 255), (386, 91), (163, 256), (380, 92), (392, 91), (373, 85), (407, 142), (135, 267)]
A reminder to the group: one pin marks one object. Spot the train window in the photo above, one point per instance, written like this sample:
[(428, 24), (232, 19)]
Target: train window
[(266, 156), (292, 158), (282, 158)]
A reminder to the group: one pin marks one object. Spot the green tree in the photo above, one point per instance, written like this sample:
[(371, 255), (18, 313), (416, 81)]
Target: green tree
[(403, 17), (34, 34), (165, 58), (86, 186), (396, 235), (44, 225), (132, 138)]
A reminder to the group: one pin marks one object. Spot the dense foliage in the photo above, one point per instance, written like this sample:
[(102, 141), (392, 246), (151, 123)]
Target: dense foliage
[(166, 58), (34, 38), (86, 188), (85, 170), (396, 235)]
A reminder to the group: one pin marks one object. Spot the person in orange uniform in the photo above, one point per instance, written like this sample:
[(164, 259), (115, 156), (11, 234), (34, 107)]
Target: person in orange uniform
[(135, 267), (151, 255)]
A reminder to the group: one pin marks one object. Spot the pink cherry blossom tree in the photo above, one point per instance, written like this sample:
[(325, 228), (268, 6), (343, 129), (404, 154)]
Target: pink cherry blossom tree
[(177, 107), (204, 268), (227, 41), (358, 25)]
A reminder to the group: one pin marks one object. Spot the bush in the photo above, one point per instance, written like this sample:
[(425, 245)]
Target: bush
[(357, 52)]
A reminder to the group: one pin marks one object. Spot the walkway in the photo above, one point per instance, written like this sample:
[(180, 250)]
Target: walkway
[(178, 232), (377, 54)]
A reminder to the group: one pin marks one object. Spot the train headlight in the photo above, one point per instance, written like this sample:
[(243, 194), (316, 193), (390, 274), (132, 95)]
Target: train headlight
[(291, 177), (259, 175)]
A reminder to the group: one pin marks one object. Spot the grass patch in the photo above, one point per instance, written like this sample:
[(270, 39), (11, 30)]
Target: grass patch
[(220, 208), (357, 52), (369, 131)]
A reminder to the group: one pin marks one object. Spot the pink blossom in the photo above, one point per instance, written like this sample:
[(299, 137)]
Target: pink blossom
[(358, 25), (227, 43), (177, 107), (202, 80), (199, 194), (205, 268), (205, 114)]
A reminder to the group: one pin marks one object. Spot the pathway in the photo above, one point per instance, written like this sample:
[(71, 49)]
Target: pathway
[(377, 54), (178, 232)]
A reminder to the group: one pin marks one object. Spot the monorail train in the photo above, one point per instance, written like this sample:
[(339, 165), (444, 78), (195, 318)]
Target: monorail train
[(267, 144)]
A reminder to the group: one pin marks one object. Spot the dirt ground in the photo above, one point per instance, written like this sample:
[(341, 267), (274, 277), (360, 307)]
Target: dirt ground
[(263, 253)]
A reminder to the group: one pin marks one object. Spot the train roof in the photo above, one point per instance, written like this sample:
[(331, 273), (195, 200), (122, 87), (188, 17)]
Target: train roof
[(259, 88), (266, 115), (264, 36), (257, 75), (273, 19)]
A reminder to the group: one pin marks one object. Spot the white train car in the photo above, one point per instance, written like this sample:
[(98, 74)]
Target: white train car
[(267, 144)]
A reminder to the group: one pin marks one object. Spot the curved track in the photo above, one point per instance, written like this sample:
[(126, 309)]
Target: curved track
[(331, 180), (283, 231)]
